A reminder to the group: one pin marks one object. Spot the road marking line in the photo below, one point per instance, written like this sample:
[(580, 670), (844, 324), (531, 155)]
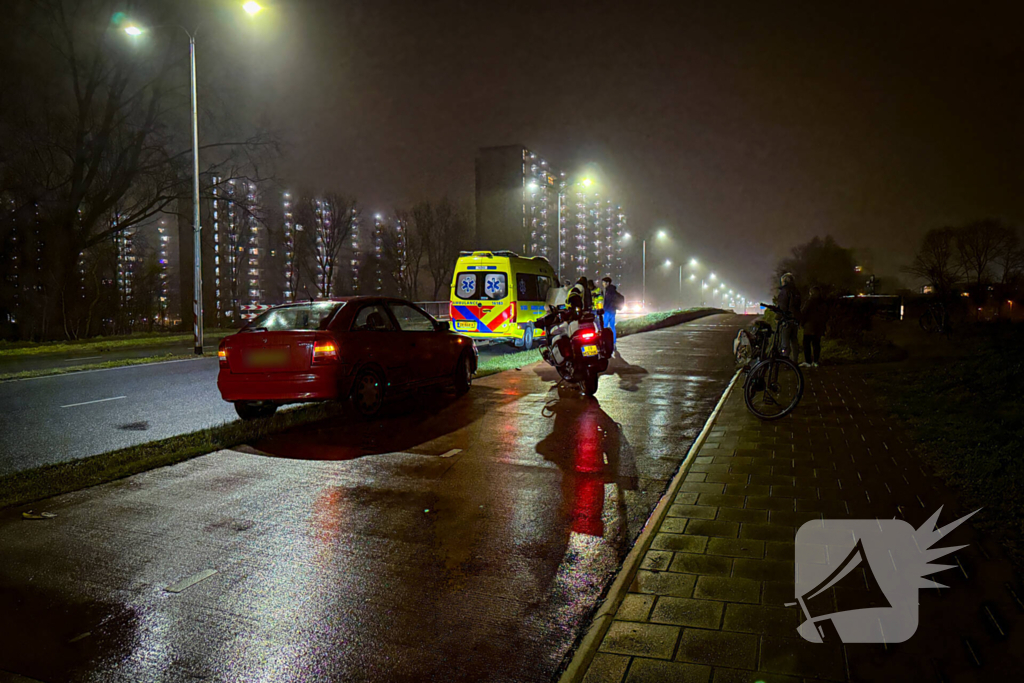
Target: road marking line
[(190, 581), (99, 400), (75, 360), (454, 451)]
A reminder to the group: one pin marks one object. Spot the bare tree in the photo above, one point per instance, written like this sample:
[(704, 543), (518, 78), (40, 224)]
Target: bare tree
[(327, 221), (97, 132), (983, 246), (936, 261), (443, 230), (1009, 260), (402, 253)]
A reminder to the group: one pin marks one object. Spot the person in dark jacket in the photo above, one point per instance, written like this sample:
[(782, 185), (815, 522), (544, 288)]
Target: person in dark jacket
[(789, 303), (813, 317), (610, 296)]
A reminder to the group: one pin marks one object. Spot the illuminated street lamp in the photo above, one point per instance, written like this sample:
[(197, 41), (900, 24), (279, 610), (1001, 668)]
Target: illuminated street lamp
[(197, 294), (661, 234)]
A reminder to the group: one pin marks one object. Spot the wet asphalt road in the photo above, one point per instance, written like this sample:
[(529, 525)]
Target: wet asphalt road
[(59, 418), (469, 540), (65, 417)]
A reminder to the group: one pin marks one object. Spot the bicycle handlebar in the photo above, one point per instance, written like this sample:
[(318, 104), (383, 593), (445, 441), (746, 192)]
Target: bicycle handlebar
[(777, 310)]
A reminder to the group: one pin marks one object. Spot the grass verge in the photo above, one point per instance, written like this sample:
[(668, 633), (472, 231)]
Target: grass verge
[(510, 361), (967, 416), (52, 480), (870, 347), (29, 374), (657, 321), (101, 344)]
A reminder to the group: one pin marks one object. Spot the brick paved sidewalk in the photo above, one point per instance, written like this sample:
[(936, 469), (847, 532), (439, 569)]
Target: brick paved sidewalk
[(707, 603)]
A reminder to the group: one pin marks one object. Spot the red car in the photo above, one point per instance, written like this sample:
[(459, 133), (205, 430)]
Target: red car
[(363, 348)]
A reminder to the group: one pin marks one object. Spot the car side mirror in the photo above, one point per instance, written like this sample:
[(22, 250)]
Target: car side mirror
[(443, 326)]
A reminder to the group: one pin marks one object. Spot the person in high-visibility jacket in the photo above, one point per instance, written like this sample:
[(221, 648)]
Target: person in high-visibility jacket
[(598, 296)]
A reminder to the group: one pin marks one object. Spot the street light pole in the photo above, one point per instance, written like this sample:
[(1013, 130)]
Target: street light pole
[(644, 259), (680, 285), (197, 250), (252, 7)]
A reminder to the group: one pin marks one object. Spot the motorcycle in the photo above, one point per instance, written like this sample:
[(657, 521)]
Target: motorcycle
[(577, 347)]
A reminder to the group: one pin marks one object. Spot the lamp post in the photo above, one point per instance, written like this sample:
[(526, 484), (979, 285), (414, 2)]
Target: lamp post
[(252, 8)]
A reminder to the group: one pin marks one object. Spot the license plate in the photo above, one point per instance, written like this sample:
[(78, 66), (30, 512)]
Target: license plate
[(590, 350), (266, 358), (467, 325)]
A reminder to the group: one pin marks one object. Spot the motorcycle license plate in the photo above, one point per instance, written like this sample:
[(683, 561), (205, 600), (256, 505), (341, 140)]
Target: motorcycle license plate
[(590, 350)]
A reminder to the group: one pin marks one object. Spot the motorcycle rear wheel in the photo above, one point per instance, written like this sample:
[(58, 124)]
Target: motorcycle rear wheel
[(589, 383)]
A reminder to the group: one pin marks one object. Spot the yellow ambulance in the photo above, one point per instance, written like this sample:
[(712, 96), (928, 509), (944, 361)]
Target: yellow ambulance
[(498, 295)]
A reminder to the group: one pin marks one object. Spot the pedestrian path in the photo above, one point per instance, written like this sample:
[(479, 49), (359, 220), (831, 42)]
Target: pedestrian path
[(713, 598)]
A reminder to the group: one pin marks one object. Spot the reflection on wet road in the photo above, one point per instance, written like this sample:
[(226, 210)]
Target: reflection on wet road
[(451, 540)]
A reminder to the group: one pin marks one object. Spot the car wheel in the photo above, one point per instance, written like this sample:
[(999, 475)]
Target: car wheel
[(367, 393), (253, 410), (462, 378)]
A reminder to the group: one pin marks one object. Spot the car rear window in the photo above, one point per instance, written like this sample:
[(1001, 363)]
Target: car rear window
[(311, 316), (481, 286)]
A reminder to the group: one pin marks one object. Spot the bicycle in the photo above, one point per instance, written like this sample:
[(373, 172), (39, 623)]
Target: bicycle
[(774, 384), (935, 318)]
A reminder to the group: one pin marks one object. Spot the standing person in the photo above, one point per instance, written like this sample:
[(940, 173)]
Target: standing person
[(789, 302), (612, 304), (813, 317), (598, 297)]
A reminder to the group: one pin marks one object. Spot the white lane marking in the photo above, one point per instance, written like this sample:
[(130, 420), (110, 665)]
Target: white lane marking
[(99, 400), (454, 451), (190, 581), (119, 367), (75, 360)]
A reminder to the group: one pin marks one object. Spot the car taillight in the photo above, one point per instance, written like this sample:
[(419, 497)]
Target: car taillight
[(325, 352), (587, 334), (222, 355)]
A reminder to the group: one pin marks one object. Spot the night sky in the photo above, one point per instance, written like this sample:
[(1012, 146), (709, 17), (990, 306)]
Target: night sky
[(741, 128)]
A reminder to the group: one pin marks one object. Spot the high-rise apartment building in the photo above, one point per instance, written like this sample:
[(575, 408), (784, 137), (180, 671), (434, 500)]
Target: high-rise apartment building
[(239, 245), (526, 205)]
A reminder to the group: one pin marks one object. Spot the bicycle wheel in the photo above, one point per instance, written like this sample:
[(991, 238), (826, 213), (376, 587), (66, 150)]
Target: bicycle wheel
[(773, 388)]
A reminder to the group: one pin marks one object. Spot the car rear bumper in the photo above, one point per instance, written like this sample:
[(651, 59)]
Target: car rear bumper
[(318, 385)]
